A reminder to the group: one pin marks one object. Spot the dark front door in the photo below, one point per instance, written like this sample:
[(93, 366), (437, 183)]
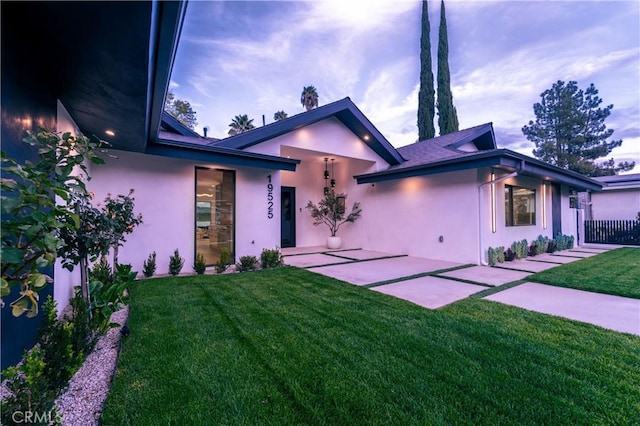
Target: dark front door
[(288, 209)]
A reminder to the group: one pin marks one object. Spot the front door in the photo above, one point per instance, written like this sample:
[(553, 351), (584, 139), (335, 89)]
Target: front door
[(288, 221)]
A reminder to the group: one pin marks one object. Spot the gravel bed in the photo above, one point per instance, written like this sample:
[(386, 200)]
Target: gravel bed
[(82, 402)]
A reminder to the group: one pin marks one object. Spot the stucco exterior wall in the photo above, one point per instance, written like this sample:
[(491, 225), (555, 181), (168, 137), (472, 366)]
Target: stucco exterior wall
[(327, 136), (506, 235), (408, 216), (615, 204), (64, 281), (165, 196)]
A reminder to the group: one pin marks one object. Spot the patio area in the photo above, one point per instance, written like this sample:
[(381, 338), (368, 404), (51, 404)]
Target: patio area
[(434, 283)]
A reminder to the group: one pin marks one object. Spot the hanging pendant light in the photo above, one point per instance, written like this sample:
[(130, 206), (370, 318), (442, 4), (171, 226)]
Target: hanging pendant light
[(333, 181)]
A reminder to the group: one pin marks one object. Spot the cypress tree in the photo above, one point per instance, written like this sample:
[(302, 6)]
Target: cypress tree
[(447, 115), (426, 101)]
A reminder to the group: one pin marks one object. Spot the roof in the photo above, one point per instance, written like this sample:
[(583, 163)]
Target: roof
[(442, 154), (628, 181), (344, 110)]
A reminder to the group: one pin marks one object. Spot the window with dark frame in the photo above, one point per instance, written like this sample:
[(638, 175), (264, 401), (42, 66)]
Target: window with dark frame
[(520, 206)]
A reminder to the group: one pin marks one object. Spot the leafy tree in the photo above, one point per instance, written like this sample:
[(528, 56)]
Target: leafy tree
[(447, 115), (119, 211), (309, 97), (91, 239), (240, 124), (280, 115), (31, 218), (569, 130), (426, 100), (181, 110)]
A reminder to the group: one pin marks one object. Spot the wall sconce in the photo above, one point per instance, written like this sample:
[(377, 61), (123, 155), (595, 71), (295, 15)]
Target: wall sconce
[(493, 203), (326, 175), (544, 206)]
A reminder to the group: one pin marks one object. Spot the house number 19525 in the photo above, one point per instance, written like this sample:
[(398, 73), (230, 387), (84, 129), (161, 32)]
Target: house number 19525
[(269, 198)]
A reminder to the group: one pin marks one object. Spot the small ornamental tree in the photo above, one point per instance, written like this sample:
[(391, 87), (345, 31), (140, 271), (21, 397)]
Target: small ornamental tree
[(86, 242), (119, 211), (331, 211), (30, 216)]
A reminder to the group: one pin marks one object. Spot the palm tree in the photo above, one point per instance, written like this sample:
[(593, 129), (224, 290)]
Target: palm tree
[(240, 124), (280, 115), (309, 97)]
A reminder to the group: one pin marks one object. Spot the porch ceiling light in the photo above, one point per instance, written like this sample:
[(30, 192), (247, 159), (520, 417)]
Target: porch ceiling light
[(110, 132)]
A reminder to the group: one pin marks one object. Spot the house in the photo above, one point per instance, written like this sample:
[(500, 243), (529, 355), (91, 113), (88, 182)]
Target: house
[(447, 198), (618, 200)]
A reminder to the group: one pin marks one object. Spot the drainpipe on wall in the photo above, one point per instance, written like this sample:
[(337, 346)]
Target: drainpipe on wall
[(480, 210)]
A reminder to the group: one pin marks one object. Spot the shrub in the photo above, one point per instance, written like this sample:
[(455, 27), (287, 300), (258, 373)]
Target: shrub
[(247, 263), (500, 251), (520, 249), (55, 340), (199, 266), (29, 389), (509, 255), (563, 242), (109, 298), (149, 265), (542, 244), (175, 263), (82, 337), (101, 272), (270, 258), (225, 260), (492, 256)]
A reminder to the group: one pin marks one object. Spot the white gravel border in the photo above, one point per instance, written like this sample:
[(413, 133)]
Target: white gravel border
[(82, 402)]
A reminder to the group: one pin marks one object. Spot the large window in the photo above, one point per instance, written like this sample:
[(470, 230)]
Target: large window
[(519, 206), (215, 213)]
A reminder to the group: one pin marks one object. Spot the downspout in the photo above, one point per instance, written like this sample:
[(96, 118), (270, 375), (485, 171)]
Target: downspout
[(481, 210)]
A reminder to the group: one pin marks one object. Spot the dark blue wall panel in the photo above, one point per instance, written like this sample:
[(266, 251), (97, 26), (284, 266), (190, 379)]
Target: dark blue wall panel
[(28, 101)]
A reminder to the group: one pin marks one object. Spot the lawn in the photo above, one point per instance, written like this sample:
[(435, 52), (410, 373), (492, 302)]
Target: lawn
[(290, 347), (614, 272)]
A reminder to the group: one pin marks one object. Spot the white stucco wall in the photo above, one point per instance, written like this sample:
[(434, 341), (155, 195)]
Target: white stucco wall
[(506, 235), (408, 216), (63, 279), (165, 196), (616, 204), (327, 136)]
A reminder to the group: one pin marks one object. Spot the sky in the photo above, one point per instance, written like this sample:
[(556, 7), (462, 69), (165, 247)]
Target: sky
[(255, 57)]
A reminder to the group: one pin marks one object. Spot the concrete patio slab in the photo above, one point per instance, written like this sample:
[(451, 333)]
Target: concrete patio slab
[(611, 312), (362, 254), (373, 271), (429, 292), (315, 259), (293, 251), (552, 258), (571, 253), (487, 275), (527, 265), (590, 250)]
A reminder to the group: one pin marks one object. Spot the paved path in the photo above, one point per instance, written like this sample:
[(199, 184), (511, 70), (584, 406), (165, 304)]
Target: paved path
[(612, 312), (435, 283)]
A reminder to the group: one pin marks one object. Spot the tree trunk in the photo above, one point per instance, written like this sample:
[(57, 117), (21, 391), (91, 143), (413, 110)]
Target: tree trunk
[(84, 282)]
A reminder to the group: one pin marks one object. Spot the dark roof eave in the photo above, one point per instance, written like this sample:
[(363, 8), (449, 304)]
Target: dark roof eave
[(226, 156), (501, 158)]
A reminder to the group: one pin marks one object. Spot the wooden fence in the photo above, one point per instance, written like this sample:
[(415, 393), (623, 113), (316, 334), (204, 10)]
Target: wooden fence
[(612, 232)]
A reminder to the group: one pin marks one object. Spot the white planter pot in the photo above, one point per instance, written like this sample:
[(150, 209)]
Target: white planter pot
[(334, 242)]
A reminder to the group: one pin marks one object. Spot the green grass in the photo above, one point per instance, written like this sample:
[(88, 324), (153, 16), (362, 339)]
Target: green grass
[(290, 347), (614, 272)]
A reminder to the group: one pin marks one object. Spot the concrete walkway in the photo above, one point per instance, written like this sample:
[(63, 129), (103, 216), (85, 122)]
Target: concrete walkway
[(612, 312), (435, 283)]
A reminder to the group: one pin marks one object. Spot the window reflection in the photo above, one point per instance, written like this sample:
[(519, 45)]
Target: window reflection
[(215, 211)]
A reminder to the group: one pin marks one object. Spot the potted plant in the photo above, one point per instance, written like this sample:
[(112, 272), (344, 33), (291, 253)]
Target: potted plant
[(331, 211)]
